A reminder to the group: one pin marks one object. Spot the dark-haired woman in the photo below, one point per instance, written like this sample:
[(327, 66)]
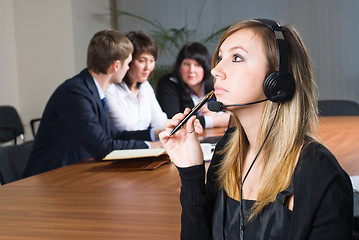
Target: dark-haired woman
[(189, 81)]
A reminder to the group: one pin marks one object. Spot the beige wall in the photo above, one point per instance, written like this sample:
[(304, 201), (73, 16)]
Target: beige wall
[(45, 52), (9, 92), (43, 43)]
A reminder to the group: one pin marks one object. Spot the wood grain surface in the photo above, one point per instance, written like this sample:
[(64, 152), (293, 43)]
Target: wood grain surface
[(90, 201)]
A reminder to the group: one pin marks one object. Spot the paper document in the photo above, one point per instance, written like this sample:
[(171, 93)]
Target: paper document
[(208, 150), (355, 182), (134, 153)]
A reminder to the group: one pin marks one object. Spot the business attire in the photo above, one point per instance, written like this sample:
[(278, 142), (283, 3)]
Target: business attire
[(130, 112), (170, 97), (323, 202), (74, 127)]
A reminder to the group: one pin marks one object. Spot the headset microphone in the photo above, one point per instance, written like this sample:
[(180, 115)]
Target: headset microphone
[(216, 106)]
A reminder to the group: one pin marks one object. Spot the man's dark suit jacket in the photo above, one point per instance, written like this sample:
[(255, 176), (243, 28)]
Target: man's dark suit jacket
[(74, 128)]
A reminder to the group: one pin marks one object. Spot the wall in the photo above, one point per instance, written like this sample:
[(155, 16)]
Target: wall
[(44, 51), (88, 17), (44, 42), (9, 90), (328, 27)]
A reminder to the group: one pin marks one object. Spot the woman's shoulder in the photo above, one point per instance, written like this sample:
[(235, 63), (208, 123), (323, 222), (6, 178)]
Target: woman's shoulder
[(146, 86), (168, 79), (318, 166), (168, 85), (315, 154), (116, 88)]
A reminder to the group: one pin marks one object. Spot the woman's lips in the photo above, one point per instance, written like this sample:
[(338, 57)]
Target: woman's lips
[(219, 90), (145, 74)]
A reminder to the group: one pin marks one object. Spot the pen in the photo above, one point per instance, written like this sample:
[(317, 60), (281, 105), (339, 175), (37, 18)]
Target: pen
[(194, 110)]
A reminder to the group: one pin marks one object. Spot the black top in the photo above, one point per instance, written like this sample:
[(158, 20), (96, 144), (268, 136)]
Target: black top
[(74, 128), (323, 201), (169, 95), (272, 223)]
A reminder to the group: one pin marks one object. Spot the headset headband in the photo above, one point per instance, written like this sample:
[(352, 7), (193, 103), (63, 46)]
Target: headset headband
[(277, 29)]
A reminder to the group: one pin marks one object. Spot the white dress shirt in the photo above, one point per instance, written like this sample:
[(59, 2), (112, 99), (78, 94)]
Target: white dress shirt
[(130, 112)]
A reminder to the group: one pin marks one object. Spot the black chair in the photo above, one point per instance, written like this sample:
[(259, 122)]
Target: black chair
[(2, 181), (13, 160), (34, 123), (10, 125), (356, 228), (338, 108)]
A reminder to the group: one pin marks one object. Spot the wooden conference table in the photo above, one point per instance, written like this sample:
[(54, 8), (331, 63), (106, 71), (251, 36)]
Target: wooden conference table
[(89, 201)]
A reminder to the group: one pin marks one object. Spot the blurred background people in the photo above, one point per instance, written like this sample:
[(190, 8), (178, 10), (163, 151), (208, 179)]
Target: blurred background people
[(74, 126), (132, 103), (189, 81)]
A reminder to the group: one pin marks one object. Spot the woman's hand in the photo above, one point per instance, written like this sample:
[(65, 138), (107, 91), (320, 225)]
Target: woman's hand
[(183, 147), (157, 133)]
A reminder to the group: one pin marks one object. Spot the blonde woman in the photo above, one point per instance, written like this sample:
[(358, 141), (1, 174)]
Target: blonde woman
[(269, 177)]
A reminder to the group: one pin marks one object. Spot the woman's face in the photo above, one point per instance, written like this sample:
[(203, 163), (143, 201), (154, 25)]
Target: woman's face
[(241, 69), (141, 68), (192, 72)]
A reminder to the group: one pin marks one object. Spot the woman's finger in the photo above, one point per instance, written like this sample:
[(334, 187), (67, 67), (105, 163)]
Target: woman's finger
[(198, 127), (190, 125), (186, 111)]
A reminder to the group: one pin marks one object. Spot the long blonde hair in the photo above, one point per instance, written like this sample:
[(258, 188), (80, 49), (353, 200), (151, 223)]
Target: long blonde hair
[(292, 126)]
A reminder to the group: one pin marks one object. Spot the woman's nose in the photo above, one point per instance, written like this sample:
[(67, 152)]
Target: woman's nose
[(217, 73), (191, 68), (146, 65)]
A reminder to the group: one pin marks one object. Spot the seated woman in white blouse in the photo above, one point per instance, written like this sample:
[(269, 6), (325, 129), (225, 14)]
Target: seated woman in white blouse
[(132, 104)]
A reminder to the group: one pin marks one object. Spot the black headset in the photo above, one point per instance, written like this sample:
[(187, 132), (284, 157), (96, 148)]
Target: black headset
[(279, 86)]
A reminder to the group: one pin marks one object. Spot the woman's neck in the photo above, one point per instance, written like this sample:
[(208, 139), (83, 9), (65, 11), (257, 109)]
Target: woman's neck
[(250, 119), (132, 85), (197, 90)]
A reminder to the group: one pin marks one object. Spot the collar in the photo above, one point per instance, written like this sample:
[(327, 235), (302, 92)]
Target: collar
[(100, 92)]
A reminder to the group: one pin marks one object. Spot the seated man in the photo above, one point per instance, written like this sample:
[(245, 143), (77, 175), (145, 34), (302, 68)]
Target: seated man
[(74, 126)]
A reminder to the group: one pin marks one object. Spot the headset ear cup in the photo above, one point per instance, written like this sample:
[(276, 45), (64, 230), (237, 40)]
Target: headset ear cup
[(279, 82)]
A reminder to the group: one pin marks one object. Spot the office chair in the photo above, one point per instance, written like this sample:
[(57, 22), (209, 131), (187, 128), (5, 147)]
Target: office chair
[(338, 108), (13, 160), (10, 124), (34, 123), (2, 181)]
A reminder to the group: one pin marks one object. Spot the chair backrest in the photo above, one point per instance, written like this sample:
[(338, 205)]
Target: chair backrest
[(10, 124), (34, 123), (2, 181), (13, 160), (338, 108)]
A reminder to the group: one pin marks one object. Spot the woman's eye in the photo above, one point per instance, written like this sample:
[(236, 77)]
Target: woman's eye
[(219, 58), (237, 58)]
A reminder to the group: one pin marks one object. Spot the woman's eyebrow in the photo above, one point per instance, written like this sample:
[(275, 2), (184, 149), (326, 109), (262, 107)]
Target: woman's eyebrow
[(237, 47)]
